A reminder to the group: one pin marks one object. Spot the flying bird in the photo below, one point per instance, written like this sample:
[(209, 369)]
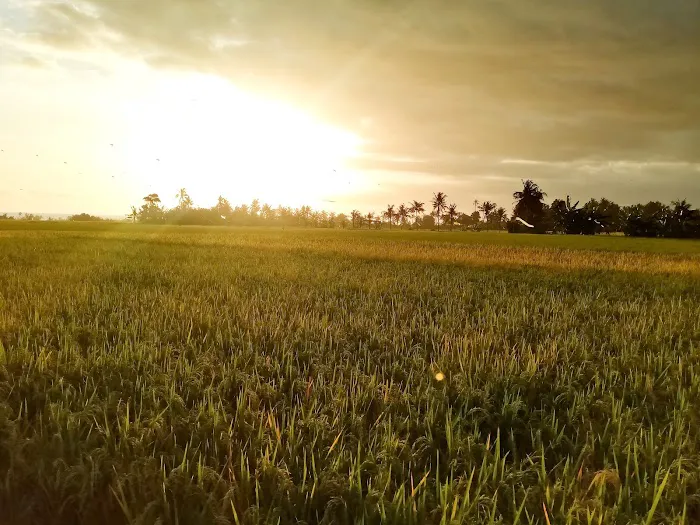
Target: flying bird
[(524, 223)]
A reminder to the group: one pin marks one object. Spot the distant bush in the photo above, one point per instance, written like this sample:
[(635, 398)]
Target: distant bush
[(84, 217), (6, 217)]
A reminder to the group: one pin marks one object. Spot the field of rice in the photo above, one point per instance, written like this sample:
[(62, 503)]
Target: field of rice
[(182, 375)]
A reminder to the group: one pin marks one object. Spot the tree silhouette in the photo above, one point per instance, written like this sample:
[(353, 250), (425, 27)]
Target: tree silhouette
[(152, 199), (151, 210), (267, 213), (682, 220), (610, 214), (439, 204), (530, 205), (133, 215), (389, 214), (653, 219), (451, 215), (183, 199), (416, 209), (569, 218), (500, 216), (402, 214), (223, 208), (486, 208)]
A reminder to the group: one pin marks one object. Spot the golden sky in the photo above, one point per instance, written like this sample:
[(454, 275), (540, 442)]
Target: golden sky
[(343, 104)]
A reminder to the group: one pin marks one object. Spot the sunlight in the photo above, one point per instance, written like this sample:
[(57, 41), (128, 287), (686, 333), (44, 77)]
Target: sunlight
[(201, 133)]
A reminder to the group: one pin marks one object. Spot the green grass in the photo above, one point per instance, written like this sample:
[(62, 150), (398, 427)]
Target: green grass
[(210, 375)]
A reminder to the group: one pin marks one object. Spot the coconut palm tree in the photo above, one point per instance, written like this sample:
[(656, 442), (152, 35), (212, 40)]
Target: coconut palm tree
[(486, 208), (389, 214), (500, 216), (439, 203), (416, 209), (223, 207), (152, 199), (402, 214), (530, 205), (183, 199), (451, 215)]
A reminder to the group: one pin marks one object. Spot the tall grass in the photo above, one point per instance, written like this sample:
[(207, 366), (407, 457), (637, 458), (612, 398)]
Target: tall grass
[(247, 376)]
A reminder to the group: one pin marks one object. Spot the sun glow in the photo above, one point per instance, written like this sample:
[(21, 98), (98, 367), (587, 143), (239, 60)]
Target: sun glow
[(201, 133)]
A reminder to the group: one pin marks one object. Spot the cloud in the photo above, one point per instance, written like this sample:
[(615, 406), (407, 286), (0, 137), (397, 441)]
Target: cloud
[(442, 80), (32, 61)]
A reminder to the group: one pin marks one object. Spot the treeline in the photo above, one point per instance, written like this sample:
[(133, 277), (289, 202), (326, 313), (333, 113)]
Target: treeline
[(531, 214), (413, 215), (80, 217), (22, 217), (653, 219)]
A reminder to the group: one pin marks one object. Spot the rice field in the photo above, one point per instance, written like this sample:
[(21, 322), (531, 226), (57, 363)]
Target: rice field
[(240, 376)]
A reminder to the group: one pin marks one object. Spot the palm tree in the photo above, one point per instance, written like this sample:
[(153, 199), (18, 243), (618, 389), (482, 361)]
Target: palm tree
[(486, 208), (451, 215), (223, 207), (416, 209), (389, 214), (476, 204), (402, 214), (152, 199), (530, 205), (151, 210), (133, 215), (501, 217), (370, 217), (184, 200), (439, 204)]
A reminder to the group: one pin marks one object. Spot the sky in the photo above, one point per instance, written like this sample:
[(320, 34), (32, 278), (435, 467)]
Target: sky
[(346, 104)]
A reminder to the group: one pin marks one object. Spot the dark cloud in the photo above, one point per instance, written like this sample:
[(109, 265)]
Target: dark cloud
[(441, 79)]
